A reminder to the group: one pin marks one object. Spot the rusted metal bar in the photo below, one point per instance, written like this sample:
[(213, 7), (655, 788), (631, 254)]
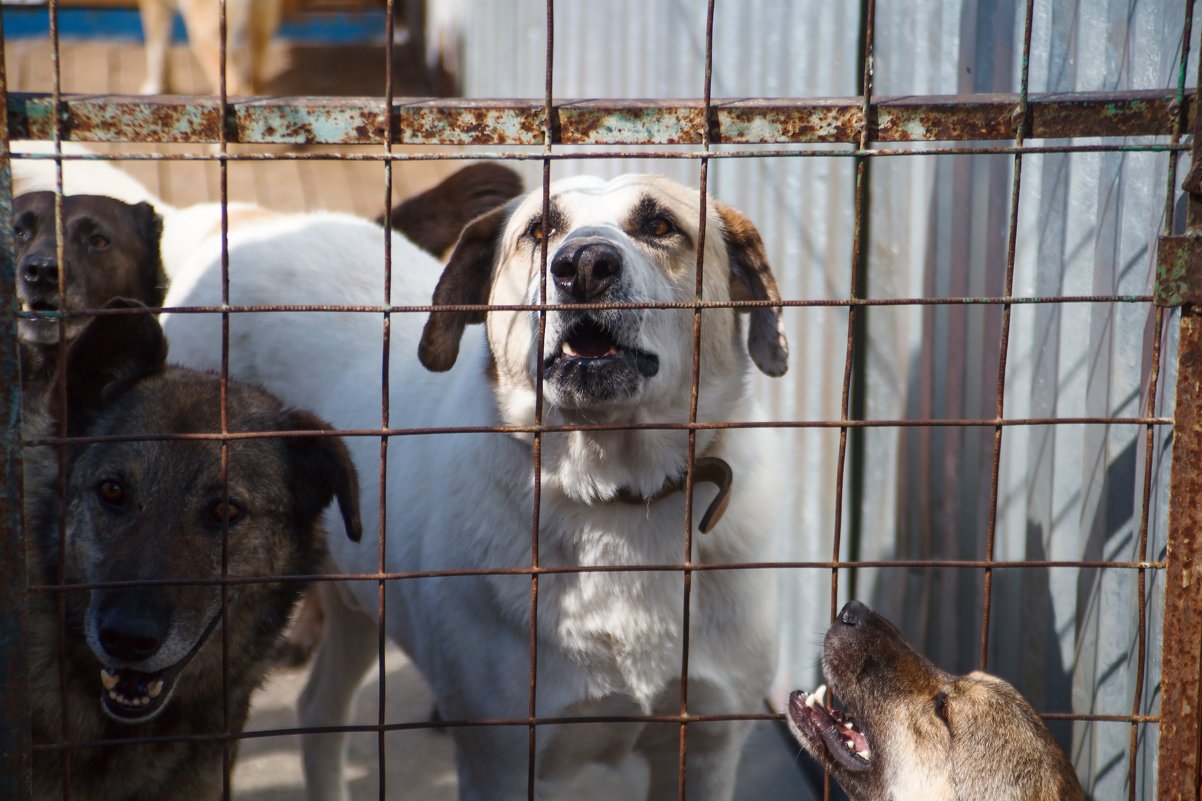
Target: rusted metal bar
[(15, 737), (1181, 647), (340, 120)]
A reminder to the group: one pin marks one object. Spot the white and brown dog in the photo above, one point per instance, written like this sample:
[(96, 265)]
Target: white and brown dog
[(609, 643)]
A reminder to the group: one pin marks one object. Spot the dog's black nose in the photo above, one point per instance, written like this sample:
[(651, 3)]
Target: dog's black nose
[(40, 270), (132, 631), (585, 269), (853, 613)]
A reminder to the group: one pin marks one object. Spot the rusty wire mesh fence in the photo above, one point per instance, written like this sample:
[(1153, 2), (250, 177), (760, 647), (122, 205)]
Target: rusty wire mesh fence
[(1161, 715)]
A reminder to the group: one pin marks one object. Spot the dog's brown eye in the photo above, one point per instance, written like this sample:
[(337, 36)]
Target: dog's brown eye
[(98, 241), (20, 234), (111, 492), (658, 226), (225, 513), (536, 231)]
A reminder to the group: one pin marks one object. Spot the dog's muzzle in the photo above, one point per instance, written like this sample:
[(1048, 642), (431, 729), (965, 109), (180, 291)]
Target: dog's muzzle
[(133, 696)]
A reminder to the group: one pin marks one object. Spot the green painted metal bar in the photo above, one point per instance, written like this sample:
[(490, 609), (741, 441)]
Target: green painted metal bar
[(339, 120)]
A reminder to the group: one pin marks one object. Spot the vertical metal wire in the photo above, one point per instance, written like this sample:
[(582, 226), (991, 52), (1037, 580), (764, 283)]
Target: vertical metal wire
[(537, 443), (15, 735), (385, 415), (60, 391), (861, 211), (1150, 431), (694, 394), (227, 755), (1020, 131), (857, 260)]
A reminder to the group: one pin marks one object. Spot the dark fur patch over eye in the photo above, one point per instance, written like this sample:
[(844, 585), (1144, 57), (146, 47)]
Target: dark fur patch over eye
[(653, 223), (658, 226), (537, 230)]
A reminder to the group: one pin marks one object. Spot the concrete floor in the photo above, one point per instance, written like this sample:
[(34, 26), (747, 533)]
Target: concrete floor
[(420, 764)]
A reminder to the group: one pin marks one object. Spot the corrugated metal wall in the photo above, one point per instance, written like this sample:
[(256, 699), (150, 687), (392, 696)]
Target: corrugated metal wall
[(1087, 225)]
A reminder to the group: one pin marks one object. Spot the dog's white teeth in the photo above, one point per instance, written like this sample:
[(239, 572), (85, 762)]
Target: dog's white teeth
[(154, 688), (863, 755), (820, 694), (568, 350), (847, 724), (108, 680), (851, 744)]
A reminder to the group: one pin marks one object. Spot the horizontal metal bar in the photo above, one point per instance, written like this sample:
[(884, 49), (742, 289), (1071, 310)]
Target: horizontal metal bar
[(234, 436), (819, 303), (417, 725), (914, 149), (339, 120)]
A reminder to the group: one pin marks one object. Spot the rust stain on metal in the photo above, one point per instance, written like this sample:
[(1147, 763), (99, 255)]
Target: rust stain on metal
[(628, 122), (1123, 114), (786, 121), (1179, 270), (1181, 647), (592, 122), (468, 122), (979, 117)]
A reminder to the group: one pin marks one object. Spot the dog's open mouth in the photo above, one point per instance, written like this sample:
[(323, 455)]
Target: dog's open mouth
[(587, 343), (131, 696), (45, 310), (813, 714)]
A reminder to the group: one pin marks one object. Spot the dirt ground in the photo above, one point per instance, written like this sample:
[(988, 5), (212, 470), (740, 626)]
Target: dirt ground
[(420, 763)]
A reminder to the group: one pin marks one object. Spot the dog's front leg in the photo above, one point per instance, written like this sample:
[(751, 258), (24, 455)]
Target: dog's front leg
[(347, 651), (712, 759), (156, 30)]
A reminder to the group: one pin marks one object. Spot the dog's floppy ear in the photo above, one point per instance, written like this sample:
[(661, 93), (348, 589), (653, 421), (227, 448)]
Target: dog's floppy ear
[(110, 353), (320, 471), (751, 279), (467, 279), (149, 226), (434, 219)]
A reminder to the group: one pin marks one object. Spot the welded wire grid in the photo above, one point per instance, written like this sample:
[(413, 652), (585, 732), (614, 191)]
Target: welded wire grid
[(862, 124)]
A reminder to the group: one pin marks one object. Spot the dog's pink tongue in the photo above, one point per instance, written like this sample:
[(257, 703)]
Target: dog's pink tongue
[(859, 742)]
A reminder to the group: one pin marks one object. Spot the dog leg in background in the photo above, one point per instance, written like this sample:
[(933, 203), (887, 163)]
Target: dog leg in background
[(713, 757), (347, 651), (264, 19), (157, 17), (204, 37)]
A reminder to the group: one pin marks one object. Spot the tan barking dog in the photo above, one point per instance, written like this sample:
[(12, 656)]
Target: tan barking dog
[(912, 731)]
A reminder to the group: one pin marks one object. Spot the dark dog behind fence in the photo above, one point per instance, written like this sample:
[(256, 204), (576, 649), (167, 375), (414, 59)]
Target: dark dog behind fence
[(861, 122)]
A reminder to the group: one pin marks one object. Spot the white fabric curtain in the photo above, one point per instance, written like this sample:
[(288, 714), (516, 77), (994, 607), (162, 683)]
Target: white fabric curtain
[(1087, 225)]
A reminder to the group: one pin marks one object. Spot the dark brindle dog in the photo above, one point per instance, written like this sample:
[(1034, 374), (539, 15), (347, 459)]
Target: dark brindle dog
[(145, 661), (110, 250), (912, 731)]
